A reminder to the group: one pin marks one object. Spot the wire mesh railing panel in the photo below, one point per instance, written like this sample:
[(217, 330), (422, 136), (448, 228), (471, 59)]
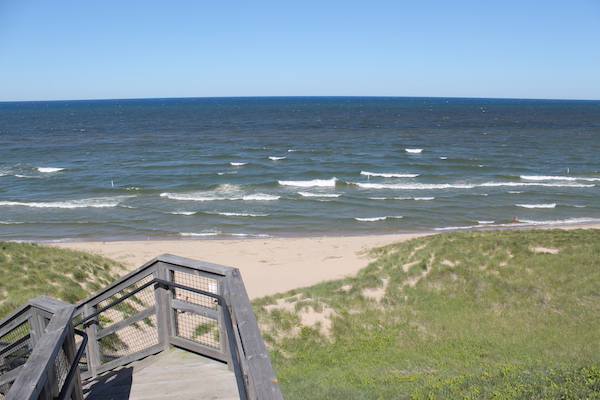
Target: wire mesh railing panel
[(15, 348), (197, 282), (129, 339), (61, 368), (138, 302), (133, 337), (199, 329)]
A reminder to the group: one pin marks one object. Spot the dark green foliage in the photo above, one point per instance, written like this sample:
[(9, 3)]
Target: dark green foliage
[(478, 315), (28, 270)]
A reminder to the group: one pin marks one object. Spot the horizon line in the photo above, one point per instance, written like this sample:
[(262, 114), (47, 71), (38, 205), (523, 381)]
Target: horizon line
[(297, 96)]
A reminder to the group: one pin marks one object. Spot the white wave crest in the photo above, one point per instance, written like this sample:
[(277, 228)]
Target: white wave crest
[(49, 169), (238, 164), (217, 197), (273, 158), (415, 186), (373, 219), (485, 222), (189, 197), (424, 198), (232, 214), (557, 178), (413, 151), (432, 186), (26, 176), (307, 194), (260, 197), (551, 205), (69, 204), (314, 183), (206, 234), (182, 212), (389, 175)]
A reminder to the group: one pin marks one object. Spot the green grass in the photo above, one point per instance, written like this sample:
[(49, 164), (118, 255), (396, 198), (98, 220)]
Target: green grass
[(29, 270), (473, 315)]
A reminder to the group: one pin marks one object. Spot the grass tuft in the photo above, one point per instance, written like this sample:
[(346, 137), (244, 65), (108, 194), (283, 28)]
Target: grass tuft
[(28, 270)]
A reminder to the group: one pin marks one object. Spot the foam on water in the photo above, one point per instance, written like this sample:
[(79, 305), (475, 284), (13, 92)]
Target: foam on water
[(551, 205), (312, 183), (215, 166), (307, 194), (48, 170), (557, 178), (389, 175), (373, 219), (233, 214), (70, 204)]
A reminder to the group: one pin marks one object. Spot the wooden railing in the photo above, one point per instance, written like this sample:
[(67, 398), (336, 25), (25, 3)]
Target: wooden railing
[(194, 305), (38, 350)]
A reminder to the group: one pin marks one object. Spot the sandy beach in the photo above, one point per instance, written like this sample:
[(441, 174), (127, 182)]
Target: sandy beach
[(268, 266)]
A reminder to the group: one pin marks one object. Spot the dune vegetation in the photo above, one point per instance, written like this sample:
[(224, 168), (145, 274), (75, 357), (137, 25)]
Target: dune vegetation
[(511, 314), (28, 270), (508, 314)]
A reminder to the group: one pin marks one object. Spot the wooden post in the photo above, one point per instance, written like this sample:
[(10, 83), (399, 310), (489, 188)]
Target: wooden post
[(164, 316)]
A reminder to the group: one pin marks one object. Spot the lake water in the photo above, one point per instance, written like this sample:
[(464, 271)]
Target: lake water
[(293, 166)]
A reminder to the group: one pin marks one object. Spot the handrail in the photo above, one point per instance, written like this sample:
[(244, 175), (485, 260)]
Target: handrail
[(168, 321), (227, 318)]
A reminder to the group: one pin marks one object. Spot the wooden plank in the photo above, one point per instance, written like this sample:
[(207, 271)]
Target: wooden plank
[(198, 348), (10, 376), (15, 320), (261, 376), (48, 304), (194, 264), (195, 309), (164, 314), (30, 382), (92, 350), (157, 348)]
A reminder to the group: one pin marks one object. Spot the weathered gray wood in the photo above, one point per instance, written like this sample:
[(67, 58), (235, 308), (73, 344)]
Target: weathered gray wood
[(261, 376), (195, 309), (14, 319), (48, 304), (148, 312), (157, 348), (194, 264), (194, 271), (30, 381), (198, 348), (171, 375), (10, 375), (92, 351), (164, 314)]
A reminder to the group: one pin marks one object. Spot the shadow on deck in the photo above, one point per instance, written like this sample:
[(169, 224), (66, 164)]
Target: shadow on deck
[(174, 374)]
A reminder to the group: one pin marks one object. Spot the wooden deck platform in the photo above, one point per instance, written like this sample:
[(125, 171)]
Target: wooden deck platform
[(174, 374)]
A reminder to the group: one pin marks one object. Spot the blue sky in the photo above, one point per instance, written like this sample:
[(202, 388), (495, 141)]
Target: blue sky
[(67, 50)]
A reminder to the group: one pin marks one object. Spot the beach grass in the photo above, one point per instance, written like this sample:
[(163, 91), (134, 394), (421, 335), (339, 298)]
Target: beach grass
[(28, 270), (510, 314)]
